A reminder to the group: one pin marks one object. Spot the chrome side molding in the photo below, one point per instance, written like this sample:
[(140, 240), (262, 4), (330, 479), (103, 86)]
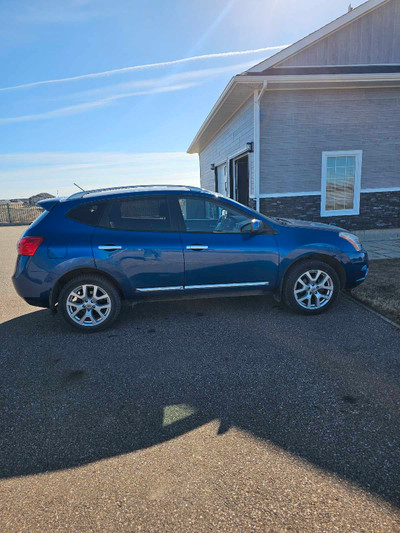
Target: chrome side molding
[(159, 289), (228, 285), (208, 286)]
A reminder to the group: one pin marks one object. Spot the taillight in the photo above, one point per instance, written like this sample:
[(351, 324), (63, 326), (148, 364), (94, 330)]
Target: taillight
[(29, 245)]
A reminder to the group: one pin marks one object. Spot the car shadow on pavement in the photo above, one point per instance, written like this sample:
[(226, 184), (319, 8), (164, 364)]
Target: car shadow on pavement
[(316, 386)]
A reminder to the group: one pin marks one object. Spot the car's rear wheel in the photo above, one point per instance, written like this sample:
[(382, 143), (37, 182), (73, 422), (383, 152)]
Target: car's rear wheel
[(311, 287), (89, 303)]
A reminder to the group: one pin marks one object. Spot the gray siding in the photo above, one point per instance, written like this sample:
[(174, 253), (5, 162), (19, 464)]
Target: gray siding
[(297, 126), (372, 39), (231, 138)]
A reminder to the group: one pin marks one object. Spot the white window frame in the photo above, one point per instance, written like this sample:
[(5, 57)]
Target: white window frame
[(357, 183)]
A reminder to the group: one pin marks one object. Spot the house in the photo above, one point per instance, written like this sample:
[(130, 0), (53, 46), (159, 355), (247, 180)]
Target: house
[(313, 132)]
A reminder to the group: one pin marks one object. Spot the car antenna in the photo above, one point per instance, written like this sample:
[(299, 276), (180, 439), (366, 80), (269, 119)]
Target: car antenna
[(79, 187)]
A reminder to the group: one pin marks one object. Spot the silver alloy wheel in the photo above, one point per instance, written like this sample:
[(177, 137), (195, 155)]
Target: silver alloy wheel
[(313, 289), (88, 305)]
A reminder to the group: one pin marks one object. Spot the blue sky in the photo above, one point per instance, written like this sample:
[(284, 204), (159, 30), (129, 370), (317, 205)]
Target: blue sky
[(131, 125)]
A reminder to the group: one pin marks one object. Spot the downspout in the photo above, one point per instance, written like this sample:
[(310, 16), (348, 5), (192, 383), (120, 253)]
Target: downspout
[(257, 151)]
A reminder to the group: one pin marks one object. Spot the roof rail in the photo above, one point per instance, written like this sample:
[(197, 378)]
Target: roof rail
[(81, 194)]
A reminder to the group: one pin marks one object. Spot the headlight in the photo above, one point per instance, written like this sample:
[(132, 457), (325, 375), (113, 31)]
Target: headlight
[(352, 239)]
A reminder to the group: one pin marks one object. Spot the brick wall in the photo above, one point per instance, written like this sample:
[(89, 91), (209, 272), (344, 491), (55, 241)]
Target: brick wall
[(378, 210)]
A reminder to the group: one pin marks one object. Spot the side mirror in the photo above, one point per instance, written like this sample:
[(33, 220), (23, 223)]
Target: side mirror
[(256, 226)]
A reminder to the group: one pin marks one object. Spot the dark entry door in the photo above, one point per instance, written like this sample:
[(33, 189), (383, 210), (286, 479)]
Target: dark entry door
[(241, 179)]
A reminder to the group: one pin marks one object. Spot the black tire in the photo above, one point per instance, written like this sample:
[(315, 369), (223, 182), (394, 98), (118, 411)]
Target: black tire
[(113, 299), (291, 283)]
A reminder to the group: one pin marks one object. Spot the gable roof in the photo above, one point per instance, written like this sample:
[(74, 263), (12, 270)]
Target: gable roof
[(316, 36), (242, 86)]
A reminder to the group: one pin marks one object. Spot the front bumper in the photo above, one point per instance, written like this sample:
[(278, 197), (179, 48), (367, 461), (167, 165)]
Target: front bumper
[(356, 268)]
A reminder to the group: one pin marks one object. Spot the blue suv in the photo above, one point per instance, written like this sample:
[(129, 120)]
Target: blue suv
[(87, 253)]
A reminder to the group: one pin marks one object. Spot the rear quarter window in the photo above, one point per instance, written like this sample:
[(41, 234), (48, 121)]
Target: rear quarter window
[(88, 214)]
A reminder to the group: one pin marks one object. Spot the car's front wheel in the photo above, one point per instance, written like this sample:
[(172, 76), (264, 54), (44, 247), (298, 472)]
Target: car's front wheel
[(89, 303), (311, 287)]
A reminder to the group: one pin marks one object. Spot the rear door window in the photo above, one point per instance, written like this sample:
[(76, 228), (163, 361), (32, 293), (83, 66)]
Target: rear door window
[(142, 213)]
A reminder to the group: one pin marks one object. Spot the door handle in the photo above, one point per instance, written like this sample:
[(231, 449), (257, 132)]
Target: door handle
[(196, 247), (109, 247)]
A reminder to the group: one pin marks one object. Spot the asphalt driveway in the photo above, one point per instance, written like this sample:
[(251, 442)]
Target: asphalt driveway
[(215, 415)]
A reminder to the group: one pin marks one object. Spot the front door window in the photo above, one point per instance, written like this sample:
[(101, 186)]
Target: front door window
[(205, 216)]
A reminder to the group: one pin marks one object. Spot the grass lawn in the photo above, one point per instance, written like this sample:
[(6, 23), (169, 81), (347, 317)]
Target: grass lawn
[(381, 289)]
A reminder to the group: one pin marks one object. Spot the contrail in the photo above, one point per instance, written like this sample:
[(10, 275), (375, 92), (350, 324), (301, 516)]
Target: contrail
[(142, 67), (80, 108), (184, 80)]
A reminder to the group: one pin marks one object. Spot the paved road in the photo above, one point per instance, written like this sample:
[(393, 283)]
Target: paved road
[(230, 415)]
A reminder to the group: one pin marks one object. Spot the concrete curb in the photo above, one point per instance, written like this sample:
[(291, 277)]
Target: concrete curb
[(361, 304)]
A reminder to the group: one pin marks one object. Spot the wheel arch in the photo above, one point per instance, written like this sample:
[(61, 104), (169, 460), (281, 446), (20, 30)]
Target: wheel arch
[(325, 258), (65, 278)]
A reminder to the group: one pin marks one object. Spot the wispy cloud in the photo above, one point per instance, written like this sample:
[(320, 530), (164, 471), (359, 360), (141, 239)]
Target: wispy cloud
[(188, 76), (55, 172), (142, 67), (87, 106), (107, 95)]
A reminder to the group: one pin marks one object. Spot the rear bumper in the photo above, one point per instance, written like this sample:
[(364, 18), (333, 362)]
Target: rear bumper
[(30, 293), (37, 303), (33, 287)]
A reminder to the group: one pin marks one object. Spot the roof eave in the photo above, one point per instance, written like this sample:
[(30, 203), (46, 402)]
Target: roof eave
[(310, 78), (193, 148)]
